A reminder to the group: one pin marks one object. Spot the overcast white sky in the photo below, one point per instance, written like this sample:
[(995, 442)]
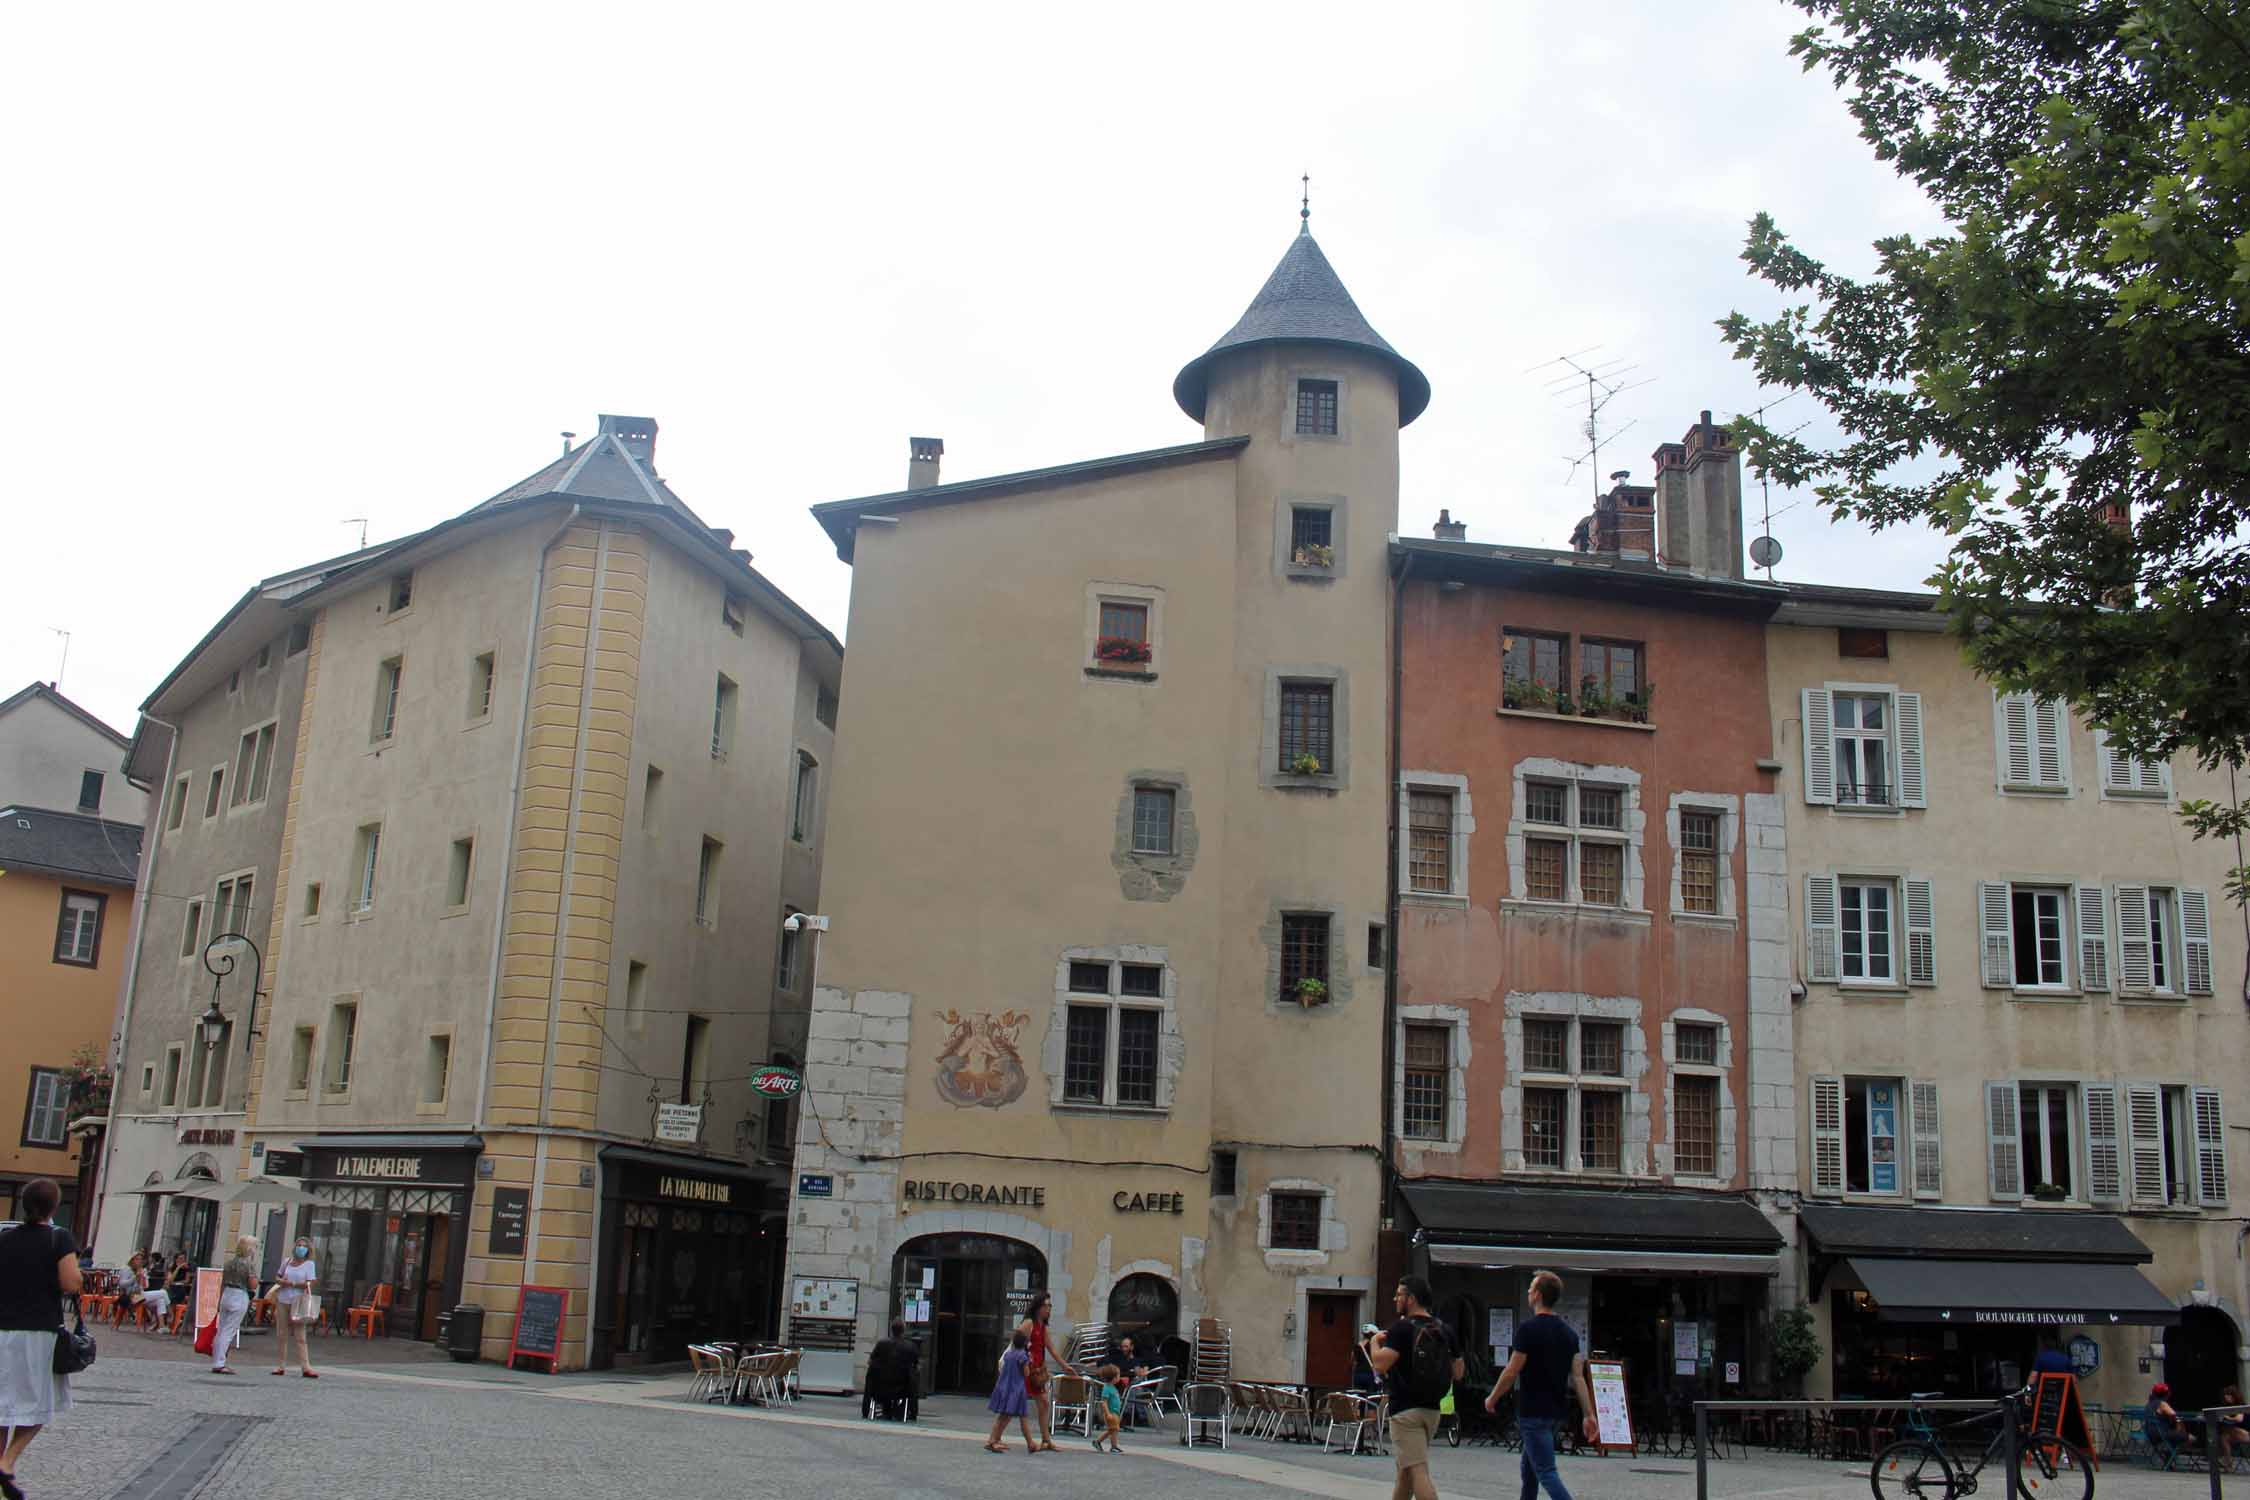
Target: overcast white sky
[(275, 266)]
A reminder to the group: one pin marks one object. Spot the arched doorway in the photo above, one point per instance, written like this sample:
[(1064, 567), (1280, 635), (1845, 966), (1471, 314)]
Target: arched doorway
[(2199, 1357), (1146, 1309), (960, 1296)]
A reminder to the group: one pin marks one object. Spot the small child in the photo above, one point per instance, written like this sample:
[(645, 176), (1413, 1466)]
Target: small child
[(1008, 1396), (1112, 1389)]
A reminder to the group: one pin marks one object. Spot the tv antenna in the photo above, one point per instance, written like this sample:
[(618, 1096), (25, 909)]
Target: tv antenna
[(1765, 551), (65, 664), (1602, 381), (361, 523)]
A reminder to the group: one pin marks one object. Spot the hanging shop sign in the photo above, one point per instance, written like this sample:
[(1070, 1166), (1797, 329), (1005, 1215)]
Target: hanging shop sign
[(776, 1083), (679, 1122)]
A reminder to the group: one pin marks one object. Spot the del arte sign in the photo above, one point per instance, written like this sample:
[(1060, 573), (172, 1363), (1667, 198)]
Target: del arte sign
[(776, 1083)]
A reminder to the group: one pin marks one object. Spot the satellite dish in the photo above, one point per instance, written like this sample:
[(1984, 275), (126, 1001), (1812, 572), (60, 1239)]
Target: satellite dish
[(1765, 551)]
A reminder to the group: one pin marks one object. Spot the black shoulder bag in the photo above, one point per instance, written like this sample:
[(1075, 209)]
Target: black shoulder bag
[(74, 1347)]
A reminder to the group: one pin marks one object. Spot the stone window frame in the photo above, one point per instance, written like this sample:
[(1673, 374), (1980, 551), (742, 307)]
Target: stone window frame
[(1634, 1143), (1633, 905), (1728, 806), (1457, 1072), (1117, 591), (1291, 375), (1338, 775), (1464, 824), (1154, 877), (1343, 965), (1171, 1041), (1339, 529), (1727, 1158), (1334, 1232)]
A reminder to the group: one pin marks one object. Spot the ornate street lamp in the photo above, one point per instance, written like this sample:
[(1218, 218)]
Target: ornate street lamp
[(220, 965)]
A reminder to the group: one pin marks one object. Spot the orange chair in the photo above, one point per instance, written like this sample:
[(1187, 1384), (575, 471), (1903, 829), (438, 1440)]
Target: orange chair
[(376, 1309), (175, 1318)]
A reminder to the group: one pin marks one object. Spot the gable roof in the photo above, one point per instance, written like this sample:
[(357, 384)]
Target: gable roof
[(69, 846), (48, 692), (841, 518), (1303, 302)]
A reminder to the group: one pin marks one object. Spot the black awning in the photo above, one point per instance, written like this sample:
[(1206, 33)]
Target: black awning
[(1531, 1217), (1970, 1234), (393, 1140), (1983, 1293)]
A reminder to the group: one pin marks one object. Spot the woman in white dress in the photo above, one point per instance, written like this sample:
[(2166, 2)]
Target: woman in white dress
[(38, 1268), (295, 1299)]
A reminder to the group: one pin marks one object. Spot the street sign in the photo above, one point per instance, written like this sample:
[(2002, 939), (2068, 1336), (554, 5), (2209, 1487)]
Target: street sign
[(776, 1083), (815, 1185), (679, 1122)]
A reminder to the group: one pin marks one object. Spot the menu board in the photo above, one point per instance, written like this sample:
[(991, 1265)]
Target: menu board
[(1616, 1423), (539, 1324), (824, 1297), (208, 1286), (1500, 1331)]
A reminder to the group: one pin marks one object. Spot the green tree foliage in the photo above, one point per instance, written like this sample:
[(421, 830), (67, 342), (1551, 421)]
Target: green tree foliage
[(2075, 348), (1795, 1348)]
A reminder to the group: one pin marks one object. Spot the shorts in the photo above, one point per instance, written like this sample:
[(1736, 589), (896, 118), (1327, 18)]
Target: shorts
[(1411, 1431)]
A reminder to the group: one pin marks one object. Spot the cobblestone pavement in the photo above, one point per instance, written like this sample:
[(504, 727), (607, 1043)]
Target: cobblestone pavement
[(398, 1420)]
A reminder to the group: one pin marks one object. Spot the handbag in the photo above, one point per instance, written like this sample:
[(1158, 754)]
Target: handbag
[(74, 1347), (307, 1309), (206, 1335)]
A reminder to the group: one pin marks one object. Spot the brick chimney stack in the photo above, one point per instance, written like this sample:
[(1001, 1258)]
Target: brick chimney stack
[(1699, 501), (922, 461), (1449, 530), (1623, 524)]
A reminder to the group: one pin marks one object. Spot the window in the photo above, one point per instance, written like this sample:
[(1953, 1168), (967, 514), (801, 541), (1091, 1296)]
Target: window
[(457, 872), (2044, 1113), (1308, 732), (722, 717), (366, 860), (480, 686), (1695, 1125), (1696, 1043), (1545, 1117), (1304, 957), (1531, 658), (695, 1059), (46, 1111), (387, 679), (806, 803), (1872, 1149), (636, 988), (231, 905), (1223, 1174), (1429, 1081), (402, 591), (300, 637), (2037, 924), (1110, 1043), (171, 1075), (1374, 945), (1295, 1218), (78, 928), (176, 808), (2122, 775), (312, 899), (148, 1080), (234, 681), (343, 1024), (300, 1060), (1699, 862), (1573, 1071), (652, 793), (211, 797), (1312, 536), (1858, 641), (1429, 841), (253, 766), (90, 791), (2032, 738), (785, 964), (1867, 931), (1121, 634), (191, 929), (824, 708), (1574, 842), (1152, 819), (2164, 936), (1316, 407), (1863, 747), (213, 1067), (437, 1067), (707, 883), (1611, 668)]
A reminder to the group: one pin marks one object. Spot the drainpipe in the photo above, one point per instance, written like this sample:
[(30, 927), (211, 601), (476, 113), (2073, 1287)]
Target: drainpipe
[(1390, 887)]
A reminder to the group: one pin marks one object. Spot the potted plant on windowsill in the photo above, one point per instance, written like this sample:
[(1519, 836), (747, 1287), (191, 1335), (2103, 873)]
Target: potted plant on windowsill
[(1121, 651), (1314, 555), (1635, 704), (2047, 1192), (1311, 992), (1594, 701), (1304, 763), (1534, 697)]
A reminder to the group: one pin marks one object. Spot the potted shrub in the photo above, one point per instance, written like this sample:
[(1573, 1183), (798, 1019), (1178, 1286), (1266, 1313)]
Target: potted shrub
[(1121, 651), (1315, 555), (1636, 702), (1304, 763), (1795, 1350), (2048, 1192), (1534, 696), (1311, 992), (1594, 701)]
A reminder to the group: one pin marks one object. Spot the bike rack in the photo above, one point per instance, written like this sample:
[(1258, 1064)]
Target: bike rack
[(2006, 1404)]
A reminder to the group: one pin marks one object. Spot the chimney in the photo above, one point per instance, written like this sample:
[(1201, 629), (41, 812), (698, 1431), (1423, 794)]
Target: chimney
[(1623, 524), (636, 435), (922, 461), (1449, 530), (1699, 500)]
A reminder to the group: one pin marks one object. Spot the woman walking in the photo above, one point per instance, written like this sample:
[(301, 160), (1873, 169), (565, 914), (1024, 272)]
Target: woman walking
[(38, 1268), (238, 1283), (296, 1304), (1033, 1331), (1008, 1398)]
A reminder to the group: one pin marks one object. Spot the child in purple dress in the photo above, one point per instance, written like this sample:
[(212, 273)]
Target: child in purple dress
[(1008, 1398)]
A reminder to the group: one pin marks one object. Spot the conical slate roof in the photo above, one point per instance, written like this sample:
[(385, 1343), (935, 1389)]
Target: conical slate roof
[(603, 468), (1304, 302)]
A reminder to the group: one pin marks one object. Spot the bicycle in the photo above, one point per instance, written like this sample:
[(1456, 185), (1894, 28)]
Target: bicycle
[(2046, 1467)]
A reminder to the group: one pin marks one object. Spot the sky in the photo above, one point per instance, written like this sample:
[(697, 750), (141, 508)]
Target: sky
[(276, 267)]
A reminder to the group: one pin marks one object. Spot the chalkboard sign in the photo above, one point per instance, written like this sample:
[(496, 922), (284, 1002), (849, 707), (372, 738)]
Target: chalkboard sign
[(1614, 1418), (539, 1324), (510, 1206), (2055, 1410)]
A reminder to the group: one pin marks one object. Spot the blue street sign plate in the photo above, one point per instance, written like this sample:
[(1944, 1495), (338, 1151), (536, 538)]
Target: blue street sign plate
[(815, 1185)]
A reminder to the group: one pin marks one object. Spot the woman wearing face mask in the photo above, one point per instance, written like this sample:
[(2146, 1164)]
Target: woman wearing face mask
[(293, 1292)]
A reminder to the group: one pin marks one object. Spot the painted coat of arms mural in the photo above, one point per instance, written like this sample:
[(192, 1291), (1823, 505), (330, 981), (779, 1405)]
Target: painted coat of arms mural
[(980, 1066)]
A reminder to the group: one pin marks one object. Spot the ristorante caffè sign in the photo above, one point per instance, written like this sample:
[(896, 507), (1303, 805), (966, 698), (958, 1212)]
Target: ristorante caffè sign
[(997, 1195)]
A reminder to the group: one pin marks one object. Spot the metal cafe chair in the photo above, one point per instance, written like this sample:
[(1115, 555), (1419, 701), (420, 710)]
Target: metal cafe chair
[(1344, 1412), (1203, 1410), (1073, 1397)]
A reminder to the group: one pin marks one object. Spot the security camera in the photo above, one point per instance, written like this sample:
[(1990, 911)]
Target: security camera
[(804, 921), (792, 922)]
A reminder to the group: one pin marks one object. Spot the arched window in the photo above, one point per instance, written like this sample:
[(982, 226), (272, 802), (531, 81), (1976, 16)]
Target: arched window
[(1145, 1309)]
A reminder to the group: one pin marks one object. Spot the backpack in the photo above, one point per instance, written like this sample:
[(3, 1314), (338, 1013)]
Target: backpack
[(1429, 1364)]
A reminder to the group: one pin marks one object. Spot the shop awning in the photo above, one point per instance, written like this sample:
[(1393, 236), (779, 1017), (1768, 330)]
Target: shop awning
[(2053, 1294), (1502, 1225), (2018, 1234)]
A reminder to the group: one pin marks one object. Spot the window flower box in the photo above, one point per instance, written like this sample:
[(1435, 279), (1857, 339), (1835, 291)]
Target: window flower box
[(1304, 763), (1311, 992), (1121, 650), (1314, 555)]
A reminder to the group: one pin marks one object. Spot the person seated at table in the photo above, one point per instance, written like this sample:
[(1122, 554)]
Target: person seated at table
[(890, 1377), (2163, 1426), (1365, 1381), (2234, 1435)]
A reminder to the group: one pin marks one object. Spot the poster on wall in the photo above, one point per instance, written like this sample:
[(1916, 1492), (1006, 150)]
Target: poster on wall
[(824, 1297), (1576, 1311), (1500, 1331), (1882, 1137), (1685, 1345)]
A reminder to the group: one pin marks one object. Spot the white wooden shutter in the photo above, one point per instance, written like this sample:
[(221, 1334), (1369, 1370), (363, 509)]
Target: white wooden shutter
[(2104, 1171), (2144, 1142), (1907, 711), (2050, 729), (1929, 1156), (1921, 932), (2003, 1151), (1815, 714), (1998, 940), (1820, 928), (2195, 933), (2012, 734), (2210, 1149), (2135, 970), (2124, 776), (2093, 937), (1828, 1136)]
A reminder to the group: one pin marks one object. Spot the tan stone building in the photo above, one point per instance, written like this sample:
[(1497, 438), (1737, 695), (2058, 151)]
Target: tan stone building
[(550, 787), (2021, 1043), (1101, 1010)]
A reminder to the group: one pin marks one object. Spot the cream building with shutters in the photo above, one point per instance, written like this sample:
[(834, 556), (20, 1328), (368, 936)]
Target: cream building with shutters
[(2021, 1035)]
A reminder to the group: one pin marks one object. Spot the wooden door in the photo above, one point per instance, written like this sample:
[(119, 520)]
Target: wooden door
[(1334, 1317), (434, 1261)]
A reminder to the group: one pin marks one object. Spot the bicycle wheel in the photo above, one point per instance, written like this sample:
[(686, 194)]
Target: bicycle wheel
[(2050, 1469), (1453, 1432), (1911, 1470)]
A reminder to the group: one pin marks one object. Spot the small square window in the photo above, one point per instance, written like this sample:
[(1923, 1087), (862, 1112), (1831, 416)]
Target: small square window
[(300, 637), (1601, 1048), (1546, 802), (1316, 407), (1546, 1046), (1223, 1166), (1152, 819), (1089, 979), (1312, 536), (402, 591), (1140, 979), (265, 656), (1124, 621), (312, 899), (1601, 807), (1697, 1044), (1296, 1221)]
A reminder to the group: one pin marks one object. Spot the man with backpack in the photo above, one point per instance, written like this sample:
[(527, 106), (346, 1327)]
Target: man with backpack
[(1418, 1364), (1549, 1364)]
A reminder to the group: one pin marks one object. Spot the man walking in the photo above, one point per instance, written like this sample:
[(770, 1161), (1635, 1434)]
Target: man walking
[(1549, 1364), (1418, 1364)]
